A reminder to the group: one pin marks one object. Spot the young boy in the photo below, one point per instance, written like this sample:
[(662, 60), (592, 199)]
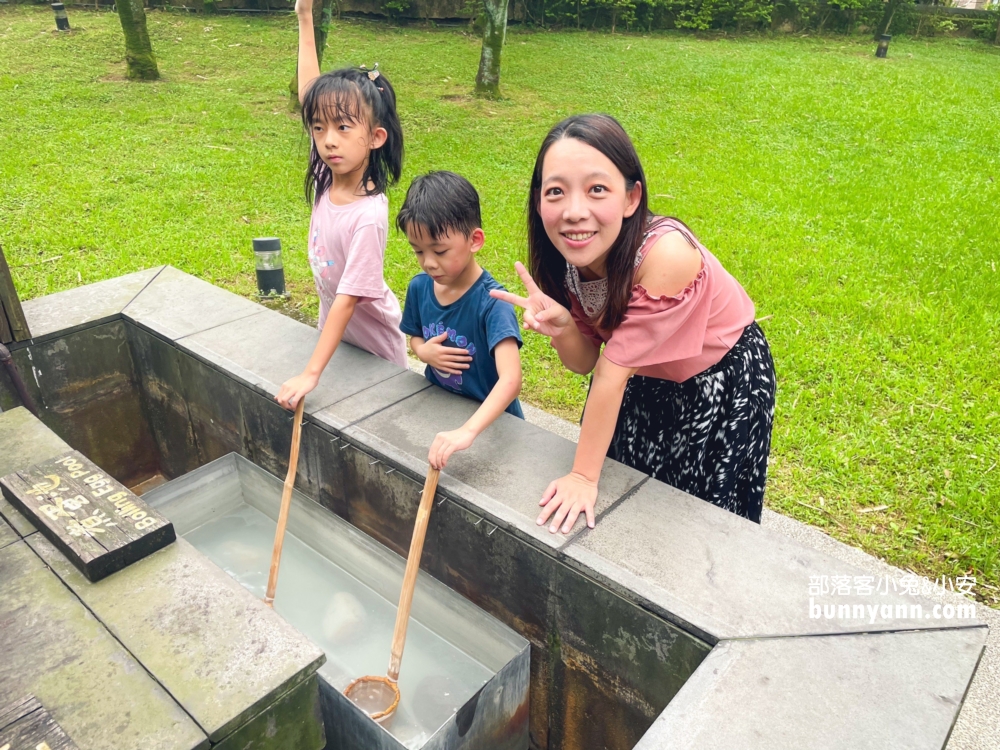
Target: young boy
[(468, 340)]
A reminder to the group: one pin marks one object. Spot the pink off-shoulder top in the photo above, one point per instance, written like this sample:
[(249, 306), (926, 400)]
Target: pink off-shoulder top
[(675, 338)]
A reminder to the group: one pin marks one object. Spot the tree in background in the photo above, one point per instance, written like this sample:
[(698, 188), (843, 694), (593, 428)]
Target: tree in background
[(494, 34), (322, 17), (138, 50), (891, 7)]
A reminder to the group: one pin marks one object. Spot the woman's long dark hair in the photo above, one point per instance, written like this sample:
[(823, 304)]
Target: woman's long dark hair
[(548, 267), (350, 94)]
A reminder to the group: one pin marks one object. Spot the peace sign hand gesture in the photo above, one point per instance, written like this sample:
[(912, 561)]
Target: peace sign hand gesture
[(541, 313)]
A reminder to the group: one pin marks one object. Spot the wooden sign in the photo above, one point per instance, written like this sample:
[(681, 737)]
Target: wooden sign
[(26, 725), (99, 524)]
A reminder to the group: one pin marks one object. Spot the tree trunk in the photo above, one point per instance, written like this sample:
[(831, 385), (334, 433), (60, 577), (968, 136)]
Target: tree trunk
[(138, 50), (997, 40), (322, 16), (886, 22), (488, 78)]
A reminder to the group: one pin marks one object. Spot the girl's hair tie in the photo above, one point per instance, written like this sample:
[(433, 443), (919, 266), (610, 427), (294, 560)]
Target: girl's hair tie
[(372, 74)]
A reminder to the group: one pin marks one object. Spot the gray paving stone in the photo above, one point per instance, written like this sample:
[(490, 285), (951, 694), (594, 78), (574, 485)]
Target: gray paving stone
[(222, 654), (266, 349), (729, 578), (25, 441), (978, 725), (54, 649), (176, 304), (363, 404), (879, 691), (65, 312), (7, 534), (15, 520), (508, 467)]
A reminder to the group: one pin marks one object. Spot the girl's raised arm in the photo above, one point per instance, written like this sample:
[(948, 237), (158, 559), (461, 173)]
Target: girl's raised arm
[(308, 70)]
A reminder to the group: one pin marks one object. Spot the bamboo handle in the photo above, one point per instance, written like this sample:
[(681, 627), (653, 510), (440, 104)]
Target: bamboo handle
[(412, 568), (286, 501)]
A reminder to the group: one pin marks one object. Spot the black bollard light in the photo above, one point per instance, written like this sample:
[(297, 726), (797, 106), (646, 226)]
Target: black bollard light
[(883, 45), (62, 21), (270, 270)]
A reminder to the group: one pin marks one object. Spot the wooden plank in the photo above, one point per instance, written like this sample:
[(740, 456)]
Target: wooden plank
[(13, 324), (95, 521), (26, 725)]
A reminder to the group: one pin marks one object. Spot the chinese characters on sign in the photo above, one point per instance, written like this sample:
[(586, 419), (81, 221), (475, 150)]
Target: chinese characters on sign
[(95, 521)]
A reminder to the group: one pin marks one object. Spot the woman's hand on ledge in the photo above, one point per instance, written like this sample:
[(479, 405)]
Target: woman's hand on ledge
[(565, 499)]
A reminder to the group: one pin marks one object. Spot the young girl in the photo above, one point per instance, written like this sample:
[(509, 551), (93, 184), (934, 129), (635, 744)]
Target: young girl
[(684, 388), (356, 153)]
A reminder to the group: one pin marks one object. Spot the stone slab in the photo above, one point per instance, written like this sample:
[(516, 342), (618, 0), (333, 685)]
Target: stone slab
[(293, 721), (176, 304), (24, 441), (511, 463), (65, 312), (723, 576), (19, 523), (365, 403), (223, 655), (7, 534), (266, 349), (874, 691), (53, 648)]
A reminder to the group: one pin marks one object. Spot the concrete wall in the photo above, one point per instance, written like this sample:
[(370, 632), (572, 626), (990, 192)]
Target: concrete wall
[(620, 617)]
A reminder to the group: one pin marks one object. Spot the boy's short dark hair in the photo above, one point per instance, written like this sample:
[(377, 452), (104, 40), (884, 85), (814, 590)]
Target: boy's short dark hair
[(439, 202)]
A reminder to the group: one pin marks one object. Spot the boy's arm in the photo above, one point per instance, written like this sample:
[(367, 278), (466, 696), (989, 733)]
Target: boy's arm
[(507, 388), (333, 330), (308, 66)]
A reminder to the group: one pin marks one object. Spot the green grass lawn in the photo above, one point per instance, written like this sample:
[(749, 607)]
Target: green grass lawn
[(855, 198)]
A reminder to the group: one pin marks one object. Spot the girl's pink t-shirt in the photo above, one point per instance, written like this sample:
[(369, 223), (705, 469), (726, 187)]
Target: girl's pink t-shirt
[(346, 253), (675, 338)]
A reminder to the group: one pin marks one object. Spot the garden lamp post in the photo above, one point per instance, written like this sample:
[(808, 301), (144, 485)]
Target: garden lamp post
[(270, 270), (62, 20), (883, 45)]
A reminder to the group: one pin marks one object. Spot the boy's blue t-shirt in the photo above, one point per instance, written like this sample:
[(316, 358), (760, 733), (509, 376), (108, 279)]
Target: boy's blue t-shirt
[(476, 321)]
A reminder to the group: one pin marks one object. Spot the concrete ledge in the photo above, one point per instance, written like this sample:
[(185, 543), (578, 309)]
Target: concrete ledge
[(267, 348), (713, 574), (7, 535), (54, 648), (246, 654), (512, 462), (727, 576), (175, 304), (66, 312), (24, 441), (889, 690)]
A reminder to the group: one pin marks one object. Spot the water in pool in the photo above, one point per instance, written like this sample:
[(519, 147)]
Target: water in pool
[(349, 621)]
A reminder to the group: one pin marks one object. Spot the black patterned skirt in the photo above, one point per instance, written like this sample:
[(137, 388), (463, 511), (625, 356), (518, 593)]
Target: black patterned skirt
[(710, 435)]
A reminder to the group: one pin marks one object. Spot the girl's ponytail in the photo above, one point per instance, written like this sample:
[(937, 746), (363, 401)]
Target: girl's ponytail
[(385, 164), (357, 94)]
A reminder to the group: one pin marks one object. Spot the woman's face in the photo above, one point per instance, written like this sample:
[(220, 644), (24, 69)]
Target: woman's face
[(582, 203)]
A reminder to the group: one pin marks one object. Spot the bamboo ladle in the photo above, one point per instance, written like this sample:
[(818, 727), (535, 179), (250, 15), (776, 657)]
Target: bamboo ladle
[(376, 695), (286, 501)]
